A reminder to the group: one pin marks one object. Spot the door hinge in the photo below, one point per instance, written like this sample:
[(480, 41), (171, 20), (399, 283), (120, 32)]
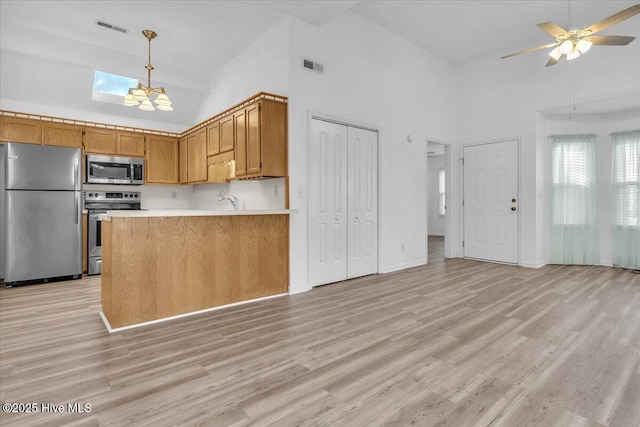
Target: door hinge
[(462, 202), (463, 243)]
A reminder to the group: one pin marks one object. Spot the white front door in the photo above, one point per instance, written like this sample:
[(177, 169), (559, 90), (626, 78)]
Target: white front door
[(343, 202), (362, 202), (491, 202)]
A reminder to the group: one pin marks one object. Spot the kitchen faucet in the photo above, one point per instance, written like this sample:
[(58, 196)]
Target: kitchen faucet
[(231, 198)]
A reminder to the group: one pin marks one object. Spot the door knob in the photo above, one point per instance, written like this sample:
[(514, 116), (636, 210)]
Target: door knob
[(336, 218), (513, 208), (356, 218), (513, 200)]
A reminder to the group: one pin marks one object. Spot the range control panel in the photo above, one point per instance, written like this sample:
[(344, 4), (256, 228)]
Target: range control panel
[(112, 200)]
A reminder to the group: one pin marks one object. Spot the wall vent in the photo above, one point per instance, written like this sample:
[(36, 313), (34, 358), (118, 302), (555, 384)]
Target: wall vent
[(111, 26), (313, 66)]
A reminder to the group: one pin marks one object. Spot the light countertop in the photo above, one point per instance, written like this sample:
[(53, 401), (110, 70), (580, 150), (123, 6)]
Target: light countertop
[(190, 212)]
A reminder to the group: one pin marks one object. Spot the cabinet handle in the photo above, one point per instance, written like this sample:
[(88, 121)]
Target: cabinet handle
[(513, 208)]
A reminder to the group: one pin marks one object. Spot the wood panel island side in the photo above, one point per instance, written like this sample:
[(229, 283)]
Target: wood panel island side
[(161, 264)]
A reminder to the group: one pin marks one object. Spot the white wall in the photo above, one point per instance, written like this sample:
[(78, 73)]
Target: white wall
[(602, 125), (373, 77), (261, 67), (436, 222), (499, 99)]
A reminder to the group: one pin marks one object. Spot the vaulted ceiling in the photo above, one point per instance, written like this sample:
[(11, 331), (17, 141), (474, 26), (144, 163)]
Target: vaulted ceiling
[(196, 37)]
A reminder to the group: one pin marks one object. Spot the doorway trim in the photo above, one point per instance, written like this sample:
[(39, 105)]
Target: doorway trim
[(448, 222)]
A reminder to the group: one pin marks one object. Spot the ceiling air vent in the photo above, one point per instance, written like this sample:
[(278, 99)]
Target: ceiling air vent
[(111, 27), (313, 66)]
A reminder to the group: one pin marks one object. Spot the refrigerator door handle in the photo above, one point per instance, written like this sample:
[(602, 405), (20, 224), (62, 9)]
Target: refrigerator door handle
[(75, 174), (77, 205)]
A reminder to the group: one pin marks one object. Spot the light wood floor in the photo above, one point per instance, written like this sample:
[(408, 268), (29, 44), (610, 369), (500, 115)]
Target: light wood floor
[(455, 343)]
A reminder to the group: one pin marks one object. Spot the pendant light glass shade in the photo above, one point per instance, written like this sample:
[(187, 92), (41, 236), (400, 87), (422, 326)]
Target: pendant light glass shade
[(583, 46), (573, 54), (566, 47), (146, 105), (130, 100), (140, 95), (163, 99), (555, 53), (165, 107)]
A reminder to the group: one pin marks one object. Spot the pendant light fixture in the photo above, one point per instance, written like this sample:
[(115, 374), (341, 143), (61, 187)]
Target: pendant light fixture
[(140, 95)]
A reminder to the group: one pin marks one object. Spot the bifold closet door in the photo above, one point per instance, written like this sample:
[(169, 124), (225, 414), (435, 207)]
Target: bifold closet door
[(343, 202), (327, 203), (362, 202)]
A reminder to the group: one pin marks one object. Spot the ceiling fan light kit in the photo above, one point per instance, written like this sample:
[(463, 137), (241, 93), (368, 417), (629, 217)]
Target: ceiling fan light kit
[(140, 95), (574, 43)]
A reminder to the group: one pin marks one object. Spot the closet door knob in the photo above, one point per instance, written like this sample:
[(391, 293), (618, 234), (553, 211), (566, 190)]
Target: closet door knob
[(513, 208)]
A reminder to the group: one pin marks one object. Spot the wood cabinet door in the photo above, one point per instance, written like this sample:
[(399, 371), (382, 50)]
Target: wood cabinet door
[(130, 144), (197, 160), (254, 156), (62, 134), (213, 139), (184, 158), (161, 160), (100, 141), (14, 129), (227, 140), (240, 122)]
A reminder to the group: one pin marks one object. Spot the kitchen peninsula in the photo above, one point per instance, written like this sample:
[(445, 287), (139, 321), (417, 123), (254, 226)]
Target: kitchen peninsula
[(166, 263)]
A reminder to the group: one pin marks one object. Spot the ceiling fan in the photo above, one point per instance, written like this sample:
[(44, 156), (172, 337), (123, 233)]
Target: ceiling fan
[(573, 43)]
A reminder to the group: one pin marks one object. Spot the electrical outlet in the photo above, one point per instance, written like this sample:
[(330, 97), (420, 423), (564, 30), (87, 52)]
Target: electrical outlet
[(402, 246), (275, 190), (174, 195), (300, 193)]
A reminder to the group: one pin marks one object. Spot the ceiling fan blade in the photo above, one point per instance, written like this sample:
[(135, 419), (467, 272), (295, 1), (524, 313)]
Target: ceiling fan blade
[(531, 50), (612, 20), (610, 40), (553, 29), (553, 61)]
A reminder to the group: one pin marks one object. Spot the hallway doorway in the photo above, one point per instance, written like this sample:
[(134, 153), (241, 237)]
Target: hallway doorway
[(437, 182)]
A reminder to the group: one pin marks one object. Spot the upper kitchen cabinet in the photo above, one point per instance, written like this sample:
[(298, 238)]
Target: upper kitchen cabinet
[(112, 142), (197, 156), (261, 151), (100, 141), (184, 158), (14, 129), (130, 144), (61, 134), (161, 160), (213, 139), (227, 139)]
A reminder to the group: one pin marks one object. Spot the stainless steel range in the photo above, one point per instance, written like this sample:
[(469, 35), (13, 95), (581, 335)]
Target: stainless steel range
[(99, 202)]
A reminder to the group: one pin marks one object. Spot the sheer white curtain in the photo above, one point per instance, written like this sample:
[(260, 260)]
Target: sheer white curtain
[(574, 203), (625, 199)]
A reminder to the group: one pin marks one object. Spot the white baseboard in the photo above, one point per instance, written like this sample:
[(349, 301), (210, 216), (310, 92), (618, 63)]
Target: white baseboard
[(533, 264), (404, 266), (298, 289), (179, 316)]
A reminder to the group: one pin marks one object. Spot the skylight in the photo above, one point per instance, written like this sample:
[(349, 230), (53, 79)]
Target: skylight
[(111, 88)]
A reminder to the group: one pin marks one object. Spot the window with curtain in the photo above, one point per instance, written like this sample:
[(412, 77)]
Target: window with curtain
[(625, 199), (574, 205), (441, 196)]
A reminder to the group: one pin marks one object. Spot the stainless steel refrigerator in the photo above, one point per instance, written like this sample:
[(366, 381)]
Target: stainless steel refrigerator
[(43, 221)]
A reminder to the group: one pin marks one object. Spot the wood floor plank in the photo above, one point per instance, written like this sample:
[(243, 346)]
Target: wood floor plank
[(456, 343)]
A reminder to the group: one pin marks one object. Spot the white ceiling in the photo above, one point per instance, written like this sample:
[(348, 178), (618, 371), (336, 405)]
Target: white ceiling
[(196, 37)]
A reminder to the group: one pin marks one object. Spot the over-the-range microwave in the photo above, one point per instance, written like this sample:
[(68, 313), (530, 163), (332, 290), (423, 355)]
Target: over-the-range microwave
[(114, 170)]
